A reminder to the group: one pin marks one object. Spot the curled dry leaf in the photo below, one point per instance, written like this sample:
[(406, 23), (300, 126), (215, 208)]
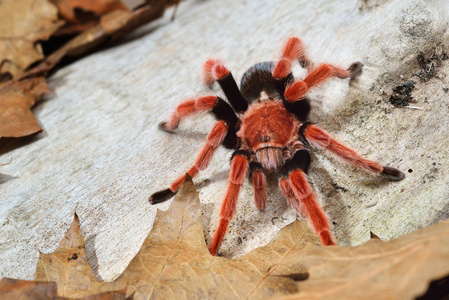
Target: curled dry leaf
[(67, 7), (112, 25), (81, 15), (22, 24), (398, 269), (16, 99)]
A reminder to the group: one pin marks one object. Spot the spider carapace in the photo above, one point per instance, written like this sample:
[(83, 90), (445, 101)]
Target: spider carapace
[(266, 124)]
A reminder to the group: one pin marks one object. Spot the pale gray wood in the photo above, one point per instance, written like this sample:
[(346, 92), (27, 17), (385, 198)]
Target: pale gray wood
[(102, 154)]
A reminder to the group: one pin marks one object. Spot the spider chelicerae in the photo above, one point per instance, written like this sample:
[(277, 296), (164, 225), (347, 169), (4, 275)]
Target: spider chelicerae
[(266, 124)]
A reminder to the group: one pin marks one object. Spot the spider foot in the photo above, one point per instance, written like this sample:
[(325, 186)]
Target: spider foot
[(355, 69), (163, 126), (161, 196), (392, 174)]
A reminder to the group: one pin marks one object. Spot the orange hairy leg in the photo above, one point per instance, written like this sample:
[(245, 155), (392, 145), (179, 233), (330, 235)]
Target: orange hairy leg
[(208, 78), (298, 89), (259, 182), (213, 69), (286, 190), (187, 108), (214, 139), (303, 192), (320, 138), (293, 50), (239, 167)]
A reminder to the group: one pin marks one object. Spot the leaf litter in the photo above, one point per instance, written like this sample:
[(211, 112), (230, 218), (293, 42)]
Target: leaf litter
[(22, 54), (174, 262), (19, 40)]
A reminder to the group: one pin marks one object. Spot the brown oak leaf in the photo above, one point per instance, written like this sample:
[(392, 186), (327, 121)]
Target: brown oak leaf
[(36, 290), (16, 99), (68, 266), (22, 24), (398, 269), (24, 290), (174, 261)]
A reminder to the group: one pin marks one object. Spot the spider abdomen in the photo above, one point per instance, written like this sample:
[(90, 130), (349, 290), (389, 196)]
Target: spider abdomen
[(258, 79)]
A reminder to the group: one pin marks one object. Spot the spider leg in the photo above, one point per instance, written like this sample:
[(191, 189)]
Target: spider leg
[(300, 160), (213, 104), (214, 70), (259, 182), (295, 100), (294, 185), (214, 139), (293, 50), (305, 202), (322, 139), (298, 89), (286, 190), (239, 167)]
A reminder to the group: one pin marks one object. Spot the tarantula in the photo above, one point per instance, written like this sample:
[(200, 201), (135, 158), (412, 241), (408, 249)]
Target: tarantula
[(266, 123)]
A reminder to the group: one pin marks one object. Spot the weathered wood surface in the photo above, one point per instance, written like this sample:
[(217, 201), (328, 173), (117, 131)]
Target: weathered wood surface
[(102, 154)]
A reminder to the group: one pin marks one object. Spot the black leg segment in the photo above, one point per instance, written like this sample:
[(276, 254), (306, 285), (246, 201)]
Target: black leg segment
[(232, 92), (241, 152), (300, 109), (301, 133), (282, 83), (231, 141), (161, 196), (300, 160), (254, 166), (392, 174), (223, 111)]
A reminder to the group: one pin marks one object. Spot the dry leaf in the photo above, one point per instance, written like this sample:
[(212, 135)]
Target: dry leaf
[(398, 269), (22, 24), (68, 266), (80, 15), (67, 7), (115, 295), (16, 99), (174, 261), (24, 290), (112, 25)]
